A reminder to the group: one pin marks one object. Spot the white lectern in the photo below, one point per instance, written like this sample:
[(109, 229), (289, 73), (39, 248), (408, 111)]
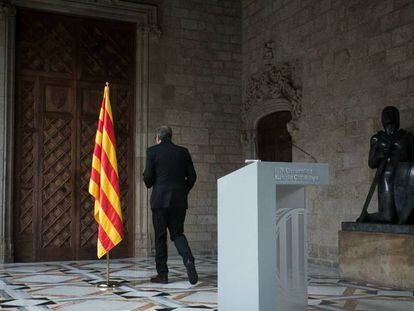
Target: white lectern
[(262, 252)]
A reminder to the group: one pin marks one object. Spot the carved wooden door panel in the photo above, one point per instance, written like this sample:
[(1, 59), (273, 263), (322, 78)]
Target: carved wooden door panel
[(273, 140), (57, 155), (25, 168), (61, 66)]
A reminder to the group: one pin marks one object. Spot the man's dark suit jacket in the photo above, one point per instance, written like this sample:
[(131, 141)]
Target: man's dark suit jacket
[(170, 171)]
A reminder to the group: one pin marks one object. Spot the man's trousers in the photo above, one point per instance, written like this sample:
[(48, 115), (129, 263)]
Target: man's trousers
[(173, 219)]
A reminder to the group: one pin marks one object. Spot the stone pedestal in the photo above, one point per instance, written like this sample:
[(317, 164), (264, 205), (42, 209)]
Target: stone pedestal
[(383, 258)]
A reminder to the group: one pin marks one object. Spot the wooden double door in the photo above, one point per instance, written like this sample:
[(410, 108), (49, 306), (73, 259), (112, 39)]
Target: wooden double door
[(62, 64)]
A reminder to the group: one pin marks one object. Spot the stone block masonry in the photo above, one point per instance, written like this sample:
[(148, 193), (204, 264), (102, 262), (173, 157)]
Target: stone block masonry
[(355, 58), (350, 58), (196, 89)]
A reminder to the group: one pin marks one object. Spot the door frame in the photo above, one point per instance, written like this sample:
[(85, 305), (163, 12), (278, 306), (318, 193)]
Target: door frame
[(145, 18), (256, 113)]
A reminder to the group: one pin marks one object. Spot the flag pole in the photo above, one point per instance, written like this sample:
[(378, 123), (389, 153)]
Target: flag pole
[(107, 268), (108, 283)]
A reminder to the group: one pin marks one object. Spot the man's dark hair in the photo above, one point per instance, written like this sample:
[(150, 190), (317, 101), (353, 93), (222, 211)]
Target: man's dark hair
[(163, 132)]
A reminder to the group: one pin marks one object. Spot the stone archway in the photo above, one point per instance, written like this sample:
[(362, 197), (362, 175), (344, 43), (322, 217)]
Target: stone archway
[(271, 91)]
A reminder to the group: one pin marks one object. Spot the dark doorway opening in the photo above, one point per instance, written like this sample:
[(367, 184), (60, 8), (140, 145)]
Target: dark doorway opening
[(274, 142)]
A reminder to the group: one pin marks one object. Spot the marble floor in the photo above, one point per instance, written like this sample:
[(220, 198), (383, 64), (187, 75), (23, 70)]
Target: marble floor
[(71, 286)]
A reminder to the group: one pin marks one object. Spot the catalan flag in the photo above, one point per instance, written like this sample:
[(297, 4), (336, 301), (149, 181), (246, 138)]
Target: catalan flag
[(104, 182)]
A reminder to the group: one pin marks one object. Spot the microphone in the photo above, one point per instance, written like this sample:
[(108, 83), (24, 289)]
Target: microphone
[(305, 152), (248, 161), (256, 148), (291, 144)]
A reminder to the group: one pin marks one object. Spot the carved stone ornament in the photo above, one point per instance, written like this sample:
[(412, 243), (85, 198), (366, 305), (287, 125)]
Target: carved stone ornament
[(7, 9), (268, 51), (274, 83), (152, 29)]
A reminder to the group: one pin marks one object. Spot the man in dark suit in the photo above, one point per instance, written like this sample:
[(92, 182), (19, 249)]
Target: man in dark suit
[(170, 172)]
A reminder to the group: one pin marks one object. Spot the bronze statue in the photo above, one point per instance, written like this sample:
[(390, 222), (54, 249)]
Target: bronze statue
[(392, 154)]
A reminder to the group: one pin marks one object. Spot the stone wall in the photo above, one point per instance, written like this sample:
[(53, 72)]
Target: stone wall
[(352, 58), (195, 87)]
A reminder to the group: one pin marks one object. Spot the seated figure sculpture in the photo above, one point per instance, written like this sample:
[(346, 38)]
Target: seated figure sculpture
[(392, 154)]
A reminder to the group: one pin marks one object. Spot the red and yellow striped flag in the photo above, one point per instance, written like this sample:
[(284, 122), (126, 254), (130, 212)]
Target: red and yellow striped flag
[(104, 182)]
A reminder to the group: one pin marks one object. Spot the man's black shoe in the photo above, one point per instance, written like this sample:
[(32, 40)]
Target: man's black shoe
[(191, 272), (159, 279)]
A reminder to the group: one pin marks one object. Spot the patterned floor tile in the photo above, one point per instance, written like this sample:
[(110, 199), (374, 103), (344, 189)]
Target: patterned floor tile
[(44, 278), (104, 305), (204, 297), (71, 286), (26, 302), (68, 291)]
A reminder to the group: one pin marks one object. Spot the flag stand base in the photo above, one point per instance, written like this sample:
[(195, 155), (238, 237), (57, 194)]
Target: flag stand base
[(107, 283), (110, 284)]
